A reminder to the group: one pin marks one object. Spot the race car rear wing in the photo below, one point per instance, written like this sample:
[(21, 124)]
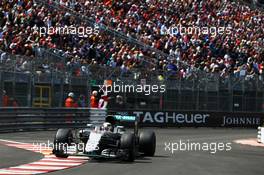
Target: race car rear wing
[(124, 118)]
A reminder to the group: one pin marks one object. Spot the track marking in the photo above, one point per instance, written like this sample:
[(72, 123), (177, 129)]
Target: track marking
[(251, 142), (47, 164)]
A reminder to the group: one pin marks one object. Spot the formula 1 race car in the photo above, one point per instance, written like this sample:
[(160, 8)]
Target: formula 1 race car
[(107, 140)]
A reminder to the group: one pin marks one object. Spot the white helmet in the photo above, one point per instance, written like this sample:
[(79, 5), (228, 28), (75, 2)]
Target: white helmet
[(107, 126), (71, 94)]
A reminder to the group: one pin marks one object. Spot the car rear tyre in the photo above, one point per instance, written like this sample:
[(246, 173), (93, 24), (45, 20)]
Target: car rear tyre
[(128, 142), (62, 140), (147, 143)]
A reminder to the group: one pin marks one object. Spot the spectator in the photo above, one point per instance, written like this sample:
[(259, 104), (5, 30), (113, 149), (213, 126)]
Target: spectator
[(14, 103), (81, 101), (146, 21), (119, 102), (103, 102)]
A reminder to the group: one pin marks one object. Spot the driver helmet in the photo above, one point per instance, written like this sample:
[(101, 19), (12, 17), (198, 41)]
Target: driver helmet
[(107, 126)]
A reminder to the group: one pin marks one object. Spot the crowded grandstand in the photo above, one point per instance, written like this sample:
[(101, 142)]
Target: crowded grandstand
[(137, 86), (151, 40), (241, 50)]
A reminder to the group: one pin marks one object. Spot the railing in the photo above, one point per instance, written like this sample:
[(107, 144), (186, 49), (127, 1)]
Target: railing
[(32, 119), (200, 92), (254, 4), (28, 119)]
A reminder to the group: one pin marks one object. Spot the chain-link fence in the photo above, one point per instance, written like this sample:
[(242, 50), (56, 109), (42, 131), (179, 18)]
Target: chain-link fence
[(205, 92)]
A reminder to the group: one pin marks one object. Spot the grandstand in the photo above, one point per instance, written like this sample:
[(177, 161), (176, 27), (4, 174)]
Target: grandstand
[(201, 71)]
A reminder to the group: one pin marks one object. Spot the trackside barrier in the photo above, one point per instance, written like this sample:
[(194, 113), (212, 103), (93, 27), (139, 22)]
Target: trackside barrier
[(260, 135), (97, 116), (194, 118), (28, 119)]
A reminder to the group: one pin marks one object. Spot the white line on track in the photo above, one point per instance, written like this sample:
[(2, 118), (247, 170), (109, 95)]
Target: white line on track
[(31, 167), (48, 164), (55, 163), (21, 172)]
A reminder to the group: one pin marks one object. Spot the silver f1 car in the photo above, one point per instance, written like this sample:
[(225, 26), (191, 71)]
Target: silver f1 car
[(107, 140)]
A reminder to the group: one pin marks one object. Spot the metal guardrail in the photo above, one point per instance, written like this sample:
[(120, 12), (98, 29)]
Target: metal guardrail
[(30, 119), (253, 4), (34, 119)]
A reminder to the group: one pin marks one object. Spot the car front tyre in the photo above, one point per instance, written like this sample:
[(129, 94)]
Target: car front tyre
[(61, 142), (147, 143), (128, 142)]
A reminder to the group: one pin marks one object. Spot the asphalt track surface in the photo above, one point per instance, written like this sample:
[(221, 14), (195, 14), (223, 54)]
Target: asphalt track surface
[(240, 160), (10, 156)]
